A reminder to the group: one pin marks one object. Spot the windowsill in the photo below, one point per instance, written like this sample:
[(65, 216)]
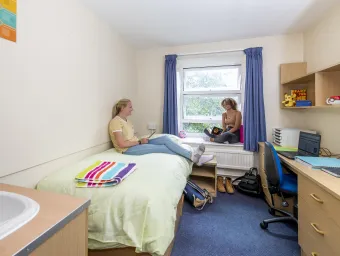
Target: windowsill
[(199, 140)]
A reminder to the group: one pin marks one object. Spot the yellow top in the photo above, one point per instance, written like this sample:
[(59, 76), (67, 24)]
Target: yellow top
[(117, 124)]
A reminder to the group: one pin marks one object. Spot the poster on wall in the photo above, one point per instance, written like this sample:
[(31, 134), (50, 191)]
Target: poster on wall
[(8, 19)]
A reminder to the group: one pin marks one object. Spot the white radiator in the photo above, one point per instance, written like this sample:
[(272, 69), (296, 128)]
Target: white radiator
[(240, 160), (232, 160)]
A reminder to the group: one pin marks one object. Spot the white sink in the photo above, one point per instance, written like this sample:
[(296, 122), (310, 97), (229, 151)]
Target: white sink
[(15, 211)]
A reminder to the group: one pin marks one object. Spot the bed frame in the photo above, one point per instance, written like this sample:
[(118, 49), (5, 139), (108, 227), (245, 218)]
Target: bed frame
[(130, 251)]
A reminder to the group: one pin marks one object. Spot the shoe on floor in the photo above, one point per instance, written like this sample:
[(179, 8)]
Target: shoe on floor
[(220, 185), (229, 186)]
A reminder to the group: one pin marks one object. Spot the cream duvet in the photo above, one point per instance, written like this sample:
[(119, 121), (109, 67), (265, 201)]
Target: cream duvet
[(140, 212)]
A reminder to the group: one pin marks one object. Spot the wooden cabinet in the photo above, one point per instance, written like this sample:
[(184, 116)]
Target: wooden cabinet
[(318, 209), (303, 253), (71, 240), (59, 228), (205, 176), (320, 85), (319, 225), (292, 71)]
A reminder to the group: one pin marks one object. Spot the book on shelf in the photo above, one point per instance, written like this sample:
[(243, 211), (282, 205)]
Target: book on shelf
[(301, 94)]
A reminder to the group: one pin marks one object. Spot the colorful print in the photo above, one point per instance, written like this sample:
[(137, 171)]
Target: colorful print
[(104, 174), (8, 19)]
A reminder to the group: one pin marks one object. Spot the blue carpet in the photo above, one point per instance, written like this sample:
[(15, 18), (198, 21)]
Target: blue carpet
[(230, 227)]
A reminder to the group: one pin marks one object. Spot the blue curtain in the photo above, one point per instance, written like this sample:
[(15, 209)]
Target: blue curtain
[(254, 121), (170, 119)]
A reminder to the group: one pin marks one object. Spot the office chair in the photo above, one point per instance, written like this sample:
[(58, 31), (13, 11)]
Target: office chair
[(278, 183)]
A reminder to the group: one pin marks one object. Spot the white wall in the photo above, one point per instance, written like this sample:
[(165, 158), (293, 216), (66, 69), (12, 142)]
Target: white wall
[(321, 50), (276, 50), (58, 84), (31, 176), (321, 42)]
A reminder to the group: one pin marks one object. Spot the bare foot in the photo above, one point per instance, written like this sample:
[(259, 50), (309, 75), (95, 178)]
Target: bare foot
[(212, 139)]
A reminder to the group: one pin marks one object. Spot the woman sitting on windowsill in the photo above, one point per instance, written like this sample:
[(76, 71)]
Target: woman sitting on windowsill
[(231, 123)]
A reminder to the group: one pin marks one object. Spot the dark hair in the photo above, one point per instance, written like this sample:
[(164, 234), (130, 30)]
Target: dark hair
[(229, 101)]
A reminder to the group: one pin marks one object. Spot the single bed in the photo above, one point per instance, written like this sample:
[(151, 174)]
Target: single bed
[(137, 216)]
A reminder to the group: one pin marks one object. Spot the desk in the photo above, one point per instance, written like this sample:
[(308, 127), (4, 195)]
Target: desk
[(319, 207)]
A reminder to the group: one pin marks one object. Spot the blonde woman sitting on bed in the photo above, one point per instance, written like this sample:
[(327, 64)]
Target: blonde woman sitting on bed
[(124, 140)]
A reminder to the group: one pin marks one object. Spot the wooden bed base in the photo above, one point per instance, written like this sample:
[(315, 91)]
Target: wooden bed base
[(130, 251)]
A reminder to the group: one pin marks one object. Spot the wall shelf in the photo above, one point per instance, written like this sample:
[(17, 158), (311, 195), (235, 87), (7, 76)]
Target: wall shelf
[(308, 77), (313, 107), (301, 80), (320, 85)]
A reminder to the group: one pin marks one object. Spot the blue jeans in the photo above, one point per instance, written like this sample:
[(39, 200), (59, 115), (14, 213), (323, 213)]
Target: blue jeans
[(225, 136), (161, 144)]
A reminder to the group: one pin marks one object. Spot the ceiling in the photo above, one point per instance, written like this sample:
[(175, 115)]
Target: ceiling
[(150, 23)]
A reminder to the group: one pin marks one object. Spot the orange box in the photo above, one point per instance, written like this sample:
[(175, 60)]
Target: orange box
[(8, 33)]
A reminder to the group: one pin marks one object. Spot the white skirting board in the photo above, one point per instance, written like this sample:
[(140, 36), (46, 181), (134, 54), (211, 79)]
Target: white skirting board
[(30, 177)]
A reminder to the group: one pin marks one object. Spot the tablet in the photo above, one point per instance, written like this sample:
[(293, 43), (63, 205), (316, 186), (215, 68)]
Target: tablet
[(151, 134)]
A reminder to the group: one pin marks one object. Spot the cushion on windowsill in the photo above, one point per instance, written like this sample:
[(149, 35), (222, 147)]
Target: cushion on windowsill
[(241, 134)]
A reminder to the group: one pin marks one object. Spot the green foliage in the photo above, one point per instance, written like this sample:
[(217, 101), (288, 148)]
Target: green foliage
[(198, 127), (203, 79), (224, 78), (206, 106)]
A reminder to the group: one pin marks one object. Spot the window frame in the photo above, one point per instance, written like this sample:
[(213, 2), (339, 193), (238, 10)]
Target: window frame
[(224, 93)]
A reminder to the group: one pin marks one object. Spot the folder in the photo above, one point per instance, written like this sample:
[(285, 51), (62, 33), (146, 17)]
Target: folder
[(318, 162)]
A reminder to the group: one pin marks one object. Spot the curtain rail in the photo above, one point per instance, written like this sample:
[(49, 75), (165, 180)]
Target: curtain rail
[(214, 52)]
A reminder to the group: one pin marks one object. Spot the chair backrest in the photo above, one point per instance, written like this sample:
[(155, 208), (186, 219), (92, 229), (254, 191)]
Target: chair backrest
[(272, 166)]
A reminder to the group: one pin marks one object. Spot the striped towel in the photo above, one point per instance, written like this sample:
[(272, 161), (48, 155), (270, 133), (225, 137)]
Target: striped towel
[(104, 174)]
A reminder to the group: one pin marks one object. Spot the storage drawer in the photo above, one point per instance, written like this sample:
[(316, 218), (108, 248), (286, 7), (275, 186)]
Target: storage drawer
[(319, 226), (313, 247), (319, 198)]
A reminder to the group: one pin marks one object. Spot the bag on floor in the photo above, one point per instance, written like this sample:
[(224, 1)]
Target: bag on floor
[(197, 196), (250, 182)]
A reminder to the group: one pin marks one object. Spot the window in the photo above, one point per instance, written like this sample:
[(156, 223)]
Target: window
[(201, 93)]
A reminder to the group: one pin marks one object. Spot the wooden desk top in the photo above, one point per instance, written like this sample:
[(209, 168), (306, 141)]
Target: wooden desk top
[(328, 182), (56, 210)]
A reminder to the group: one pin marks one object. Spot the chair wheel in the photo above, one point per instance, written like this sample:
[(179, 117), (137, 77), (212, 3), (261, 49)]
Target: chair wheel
[(271, 211), (264, 225)]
